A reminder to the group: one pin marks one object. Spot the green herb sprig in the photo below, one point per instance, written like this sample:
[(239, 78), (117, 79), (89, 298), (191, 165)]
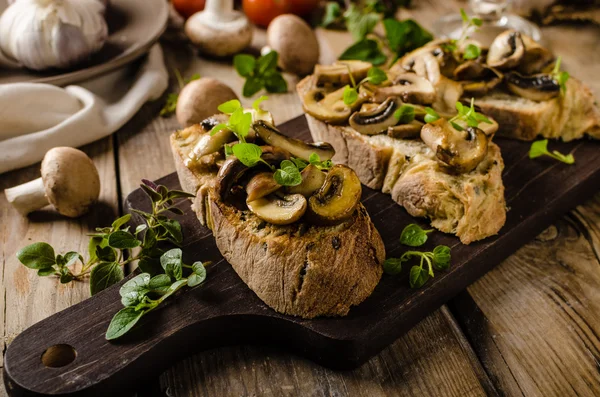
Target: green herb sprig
[(144, 293), (466, 114), (405, 114), (438, 259), (172, 98), (540, 148), (260, 73), (470, 25), (560, 76), (374, 75), (110, 248)]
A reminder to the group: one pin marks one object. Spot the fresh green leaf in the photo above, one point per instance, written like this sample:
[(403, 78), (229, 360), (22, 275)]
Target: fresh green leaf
[(173, 228), (140, 228), (333, 12), (457, 126), (122, 322), (248, 153), (540, 148), (116, 225), (414, 236), (350, 95), (104, 275), (71, 258), (392, 266), (431, 115), (274, 82), (122, 239), (37, 256), (199, 269), (106, 254), (175, 194), (418, 277), (365, 50), (252, 86), (170, 105), (171, 263), (441, 257), (405, 36), (46, 272), (94, 242), (244, 64), (267, 62), (288, 174), (159, 283), (134, 290), (476, 21), (464, 16), (360, 23), (256, 104), (153, 194), (230, 106), (376, 75), (194, 280), (66, 277), (472, 52), (217, 128), (150, 265), (405, 114), (301, 164)]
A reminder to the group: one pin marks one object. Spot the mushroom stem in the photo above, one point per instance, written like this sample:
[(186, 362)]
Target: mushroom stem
[(220, 10), (27, 197)]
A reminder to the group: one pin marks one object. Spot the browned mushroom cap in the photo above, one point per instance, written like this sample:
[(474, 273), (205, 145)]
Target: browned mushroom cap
[(405, 131), (539, 87), (312, 180), (536, 57), (260, 185), (410, 88), (462, 151), (486, 83), (339, 72), (337, 199), (71, 181), (377, 120), (328, 107), (506, 50), (277, 210), (233, 169), (300, 149)]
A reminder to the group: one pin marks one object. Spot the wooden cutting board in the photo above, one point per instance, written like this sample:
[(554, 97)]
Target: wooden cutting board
[(225, 311)]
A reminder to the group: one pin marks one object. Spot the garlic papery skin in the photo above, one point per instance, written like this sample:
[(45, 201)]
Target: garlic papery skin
[(43, 34)]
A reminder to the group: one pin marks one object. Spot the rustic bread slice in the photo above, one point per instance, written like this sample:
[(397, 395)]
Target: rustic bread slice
[(470, 205), (569, 116), (297, 269)]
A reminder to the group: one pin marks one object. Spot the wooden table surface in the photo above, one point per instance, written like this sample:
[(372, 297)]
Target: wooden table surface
[(530, 327)]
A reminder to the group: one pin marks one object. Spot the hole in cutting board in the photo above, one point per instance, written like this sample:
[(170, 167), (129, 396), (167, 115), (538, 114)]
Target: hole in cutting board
[(59, 355)]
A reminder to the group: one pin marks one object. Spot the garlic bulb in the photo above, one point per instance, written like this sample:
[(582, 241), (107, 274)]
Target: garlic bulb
[(42, 34)]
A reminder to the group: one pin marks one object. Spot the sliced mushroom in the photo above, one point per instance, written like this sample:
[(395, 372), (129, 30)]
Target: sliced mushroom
[(536, 57), (377, 120), (339, 72), (448, 92), (462, 151), (506, 50), (233, 169), (405, 131), (492, 79), (328, 107), (337, 199), (208, 144), (446, 62), (279, 210), (427, 66), (539, 87), (410, 88), (272, 136), (261, 185), (471, 70), (312, 180)]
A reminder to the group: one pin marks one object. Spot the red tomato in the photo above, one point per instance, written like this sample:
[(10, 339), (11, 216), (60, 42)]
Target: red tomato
[(262, 12), (187, 8), (304, 7)]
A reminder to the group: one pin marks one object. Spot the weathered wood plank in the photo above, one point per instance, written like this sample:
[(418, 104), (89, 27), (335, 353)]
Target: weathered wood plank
[(28, 298)]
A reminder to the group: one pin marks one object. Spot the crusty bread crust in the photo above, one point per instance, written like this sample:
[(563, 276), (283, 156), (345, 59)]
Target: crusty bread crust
[(568, 117), (470, 205), (301, 270), (298, 269)]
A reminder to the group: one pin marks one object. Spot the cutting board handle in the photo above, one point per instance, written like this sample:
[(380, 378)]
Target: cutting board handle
[(67, 354)]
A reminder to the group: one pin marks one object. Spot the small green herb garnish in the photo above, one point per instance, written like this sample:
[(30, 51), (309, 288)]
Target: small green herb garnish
[(172, 98), (431, 115), (471, 51), (288, 174), (414, 236), (560, 76), (439, 258), (260, 73), (405, 114), (374, 75), (540, 148), (315, 160), (144, 293), (468, 115)]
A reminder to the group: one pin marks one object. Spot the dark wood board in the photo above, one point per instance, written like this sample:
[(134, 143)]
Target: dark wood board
[(225, 311)]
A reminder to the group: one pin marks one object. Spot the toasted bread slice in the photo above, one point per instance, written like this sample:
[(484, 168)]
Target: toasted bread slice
[(300, 269), (470, 205), (297, 269), (568, 117)]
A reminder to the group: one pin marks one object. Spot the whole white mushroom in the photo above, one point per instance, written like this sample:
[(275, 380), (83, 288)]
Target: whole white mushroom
[(69, 182), (296, 43), (199, 99), (219, 30)]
